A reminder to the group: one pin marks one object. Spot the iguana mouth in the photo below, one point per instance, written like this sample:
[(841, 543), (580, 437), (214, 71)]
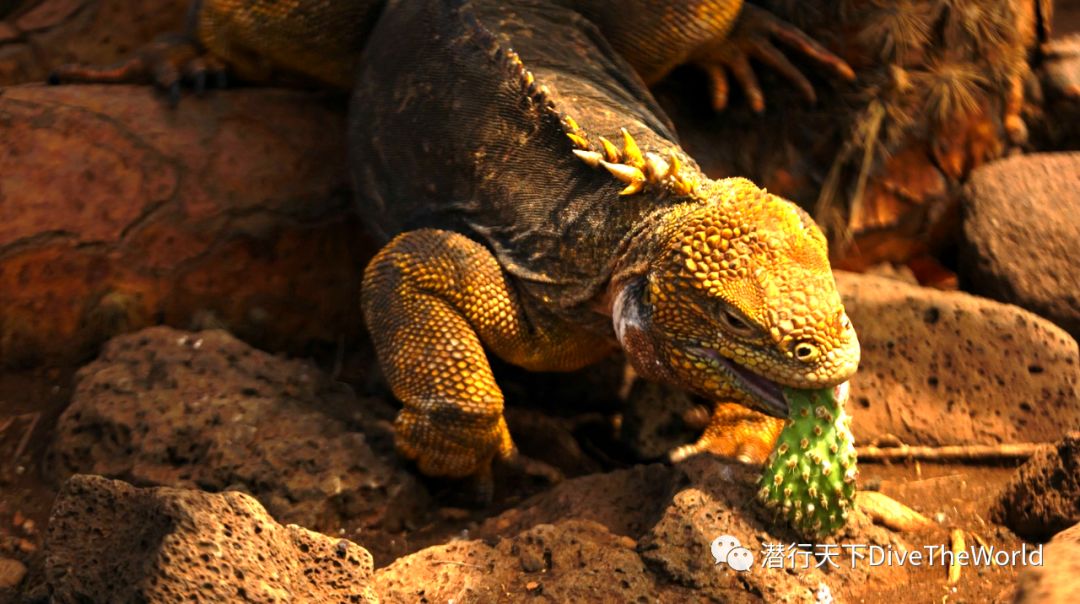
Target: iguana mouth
[(768, 393)]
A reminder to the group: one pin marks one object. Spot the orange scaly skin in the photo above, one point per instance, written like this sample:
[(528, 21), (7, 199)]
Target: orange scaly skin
[(432, 300), (502, 241)]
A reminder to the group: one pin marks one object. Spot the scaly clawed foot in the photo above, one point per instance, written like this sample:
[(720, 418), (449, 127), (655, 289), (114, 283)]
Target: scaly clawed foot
[(752, 38), (168, 62), (734, 432), (447, 442)]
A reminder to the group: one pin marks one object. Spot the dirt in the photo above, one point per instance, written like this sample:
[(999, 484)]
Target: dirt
[(965, 494), (28, 399)]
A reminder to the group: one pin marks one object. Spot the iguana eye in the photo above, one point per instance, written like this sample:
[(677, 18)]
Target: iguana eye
[(735, 323)]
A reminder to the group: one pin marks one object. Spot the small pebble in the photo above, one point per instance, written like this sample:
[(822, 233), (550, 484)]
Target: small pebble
[(11, 573)]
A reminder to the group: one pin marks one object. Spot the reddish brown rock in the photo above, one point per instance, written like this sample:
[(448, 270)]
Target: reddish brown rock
[(1021, 229), (117, 212), (204, 410), (1044, 496), (569, 561), (673, 514), (49, 33), (950, 368), (627, 502), (1057, 579), (718, 499), (110, 542)]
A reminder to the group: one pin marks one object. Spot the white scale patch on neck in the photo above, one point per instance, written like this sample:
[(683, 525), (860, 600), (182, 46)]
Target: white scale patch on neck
[(630, 329)]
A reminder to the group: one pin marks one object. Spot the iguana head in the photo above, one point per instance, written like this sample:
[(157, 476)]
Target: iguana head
[(736, 300)]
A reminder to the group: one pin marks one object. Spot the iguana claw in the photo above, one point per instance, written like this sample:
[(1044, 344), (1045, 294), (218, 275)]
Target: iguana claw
[(752, 38), (734, 432), (167, 62)]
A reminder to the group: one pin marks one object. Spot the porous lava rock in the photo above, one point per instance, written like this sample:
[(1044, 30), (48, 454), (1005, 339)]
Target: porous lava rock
[(1044, 495), (717, 499), (626, 501), (205, 410), (942, 367), (110, 542), (568, 561), (1021, 229)]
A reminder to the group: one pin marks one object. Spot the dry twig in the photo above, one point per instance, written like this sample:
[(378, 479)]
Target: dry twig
[(952, 452)]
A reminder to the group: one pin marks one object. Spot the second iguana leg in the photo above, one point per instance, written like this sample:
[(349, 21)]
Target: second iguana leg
[(253, 40), (432, 301), (752, 38), (166, 62), (735, 432), (722, 37)]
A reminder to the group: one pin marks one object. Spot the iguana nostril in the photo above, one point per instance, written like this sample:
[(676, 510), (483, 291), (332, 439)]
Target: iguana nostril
[(805, 351)]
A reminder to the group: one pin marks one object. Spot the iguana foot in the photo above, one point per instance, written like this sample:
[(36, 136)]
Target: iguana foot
[(445, 441), (734, 432), (167, 62), (752, 38), (478, 490), (526, 466)]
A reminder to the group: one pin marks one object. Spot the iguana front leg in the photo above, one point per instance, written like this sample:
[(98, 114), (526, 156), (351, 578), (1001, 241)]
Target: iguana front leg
[(253, 40), (432, 300)]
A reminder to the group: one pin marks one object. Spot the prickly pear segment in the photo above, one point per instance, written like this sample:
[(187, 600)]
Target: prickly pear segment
[(809, 478)]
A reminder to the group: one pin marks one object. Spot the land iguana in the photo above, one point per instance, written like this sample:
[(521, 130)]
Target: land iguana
[(538, 207)]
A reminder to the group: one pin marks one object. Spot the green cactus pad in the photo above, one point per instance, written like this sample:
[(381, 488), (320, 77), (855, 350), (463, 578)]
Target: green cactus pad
[(809, 478)]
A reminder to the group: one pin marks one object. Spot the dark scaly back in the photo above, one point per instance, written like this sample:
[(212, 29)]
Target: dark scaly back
[(459, 121)]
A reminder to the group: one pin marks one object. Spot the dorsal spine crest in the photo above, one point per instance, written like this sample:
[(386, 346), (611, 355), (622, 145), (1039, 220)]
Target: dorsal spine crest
[(629, 165)]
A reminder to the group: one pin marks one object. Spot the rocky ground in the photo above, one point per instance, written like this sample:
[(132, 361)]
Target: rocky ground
[(215, 447), (173, 463), (190, 462)]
